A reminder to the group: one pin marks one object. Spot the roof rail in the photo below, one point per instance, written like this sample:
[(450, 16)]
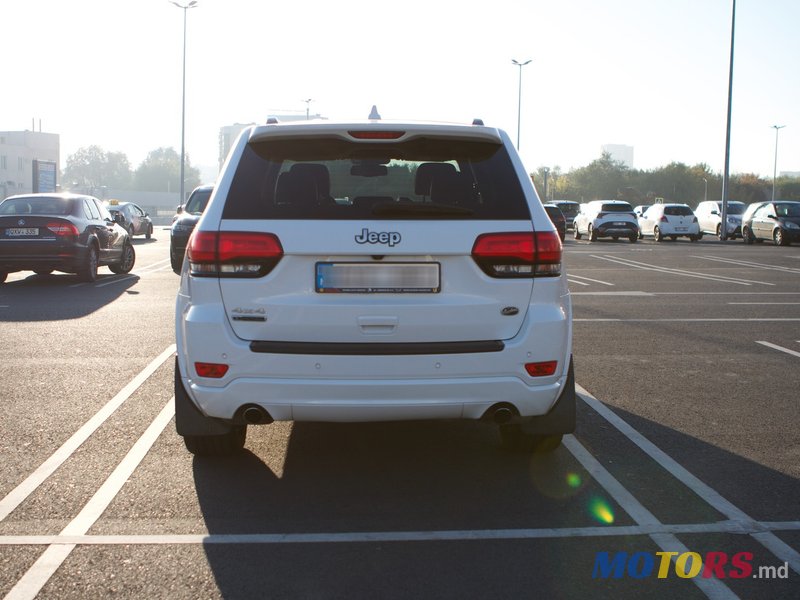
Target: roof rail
[(477, 122), (272, 120)]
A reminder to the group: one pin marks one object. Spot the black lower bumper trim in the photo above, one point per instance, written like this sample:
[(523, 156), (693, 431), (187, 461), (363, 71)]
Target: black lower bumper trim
[(376, 348)]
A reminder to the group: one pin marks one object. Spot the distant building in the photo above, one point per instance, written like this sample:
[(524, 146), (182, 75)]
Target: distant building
[(621, 153), (19, 151), (229, 133)]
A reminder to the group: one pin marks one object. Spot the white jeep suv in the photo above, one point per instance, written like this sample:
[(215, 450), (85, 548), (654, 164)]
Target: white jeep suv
[(373, 271)]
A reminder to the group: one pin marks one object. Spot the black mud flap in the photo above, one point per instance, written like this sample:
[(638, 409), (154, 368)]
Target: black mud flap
[(188, 419), (561, 418)]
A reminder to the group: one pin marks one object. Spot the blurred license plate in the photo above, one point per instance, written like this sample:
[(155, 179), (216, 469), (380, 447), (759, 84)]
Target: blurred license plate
[(19, 231), (620, 224), (372, 278), (681, 228)]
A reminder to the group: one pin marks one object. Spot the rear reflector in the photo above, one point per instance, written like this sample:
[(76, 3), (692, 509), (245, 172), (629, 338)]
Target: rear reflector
[(541, 369), (210, 370), (518, 254), (233, 253)]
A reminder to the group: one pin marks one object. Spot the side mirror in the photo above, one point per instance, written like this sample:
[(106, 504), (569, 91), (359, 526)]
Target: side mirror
[(179, 210), (715, 212), (118, 218)]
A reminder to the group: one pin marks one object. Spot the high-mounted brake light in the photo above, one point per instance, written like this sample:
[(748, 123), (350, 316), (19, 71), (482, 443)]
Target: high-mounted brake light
[(233, 253), (377, 135), (519, 254)]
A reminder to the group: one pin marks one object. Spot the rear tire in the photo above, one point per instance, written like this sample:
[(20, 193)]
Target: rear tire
[(779, 238), (576, 234), (657, 235), (126, 261), (719, 231), (149, 233), (513, 439), (175, 261), (592, 234), (633, 238), (217, 445), (747, 237), (88, 272)]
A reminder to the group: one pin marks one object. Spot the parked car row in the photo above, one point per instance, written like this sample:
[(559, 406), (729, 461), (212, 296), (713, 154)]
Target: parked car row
[(778, 221)]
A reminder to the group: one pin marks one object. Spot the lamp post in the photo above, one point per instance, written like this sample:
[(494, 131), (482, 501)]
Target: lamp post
[(308, 105), (726, 172), (185, 7), (775, 167), (705, 189), (519, 102)]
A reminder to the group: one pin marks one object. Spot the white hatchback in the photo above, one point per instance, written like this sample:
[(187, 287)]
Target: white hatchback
[(670, 220), (373, 271)]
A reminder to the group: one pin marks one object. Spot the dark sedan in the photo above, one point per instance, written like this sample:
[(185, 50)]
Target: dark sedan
[(134, 218), (778, 221), (558, 219), (61, 232), (183, 224)]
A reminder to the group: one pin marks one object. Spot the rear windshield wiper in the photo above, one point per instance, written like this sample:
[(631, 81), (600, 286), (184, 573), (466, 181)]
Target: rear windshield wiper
[(419, 209)]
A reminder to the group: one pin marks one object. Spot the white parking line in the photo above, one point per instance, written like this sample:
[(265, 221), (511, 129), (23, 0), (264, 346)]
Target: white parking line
[(569, 278), (765, 303), (712, 588), (48, 563), (16, 496), (779, 348), (679, 272), (747, 263), (711, 497), (592, 280)]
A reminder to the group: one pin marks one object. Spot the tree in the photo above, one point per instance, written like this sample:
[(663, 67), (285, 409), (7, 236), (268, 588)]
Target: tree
[(91, 167), (603, 178), (161, 172)]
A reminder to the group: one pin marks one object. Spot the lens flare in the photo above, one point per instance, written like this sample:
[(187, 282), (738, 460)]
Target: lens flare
[(573, 480), (601, 511)]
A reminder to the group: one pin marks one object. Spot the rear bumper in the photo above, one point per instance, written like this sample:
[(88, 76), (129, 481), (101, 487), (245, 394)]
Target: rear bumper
[(610, 229), (61, 258), (371, 387)]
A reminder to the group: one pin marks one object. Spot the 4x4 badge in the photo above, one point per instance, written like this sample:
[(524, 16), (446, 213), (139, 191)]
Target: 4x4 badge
[(376, 237)]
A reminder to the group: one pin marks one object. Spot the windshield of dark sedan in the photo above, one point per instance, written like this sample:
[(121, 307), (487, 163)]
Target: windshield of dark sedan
[(788, 209), (197, 202), (35, 206)]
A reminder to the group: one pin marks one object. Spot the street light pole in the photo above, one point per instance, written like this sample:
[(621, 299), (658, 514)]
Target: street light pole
[(308, 104), (775, 167), (726, 173), (705, 190), (185, 7), (519, 101)]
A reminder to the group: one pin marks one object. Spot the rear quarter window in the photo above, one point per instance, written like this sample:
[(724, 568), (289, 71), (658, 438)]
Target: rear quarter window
[(425, 178), (678, 211)]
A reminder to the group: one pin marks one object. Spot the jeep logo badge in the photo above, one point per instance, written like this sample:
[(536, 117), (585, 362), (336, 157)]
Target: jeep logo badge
[(378, 237)]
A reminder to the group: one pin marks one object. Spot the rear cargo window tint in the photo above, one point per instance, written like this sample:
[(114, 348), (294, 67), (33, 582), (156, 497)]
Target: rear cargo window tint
[(682, 211), (336, 179), (617, 208)]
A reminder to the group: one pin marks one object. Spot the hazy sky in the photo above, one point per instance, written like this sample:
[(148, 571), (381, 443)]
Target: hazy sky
[(652, 74)]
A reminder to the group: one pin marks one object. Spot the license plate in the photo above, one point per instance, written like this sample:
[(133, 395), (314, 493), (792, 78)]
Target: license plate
[(21, 231), (620, 224), (681, 229), (371, 278)]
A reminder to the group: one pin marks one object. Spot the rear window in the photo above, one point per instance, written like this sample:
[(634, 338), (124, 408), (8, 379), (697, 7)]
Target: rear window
[(331, 178), (569, 209), (678, 211), (36, 206), (621, 207), (197, 202)]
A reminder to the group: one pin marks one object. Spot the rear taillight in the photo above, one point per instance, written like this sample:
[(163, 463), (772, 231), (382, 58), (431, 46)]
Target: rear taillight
[(233, 253), (518, 254), (62, 228), (541, 369)]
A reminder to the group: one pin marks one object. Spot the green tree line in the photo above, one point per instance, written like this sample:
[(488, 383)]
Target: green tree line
[(606, 178), (91, 168)]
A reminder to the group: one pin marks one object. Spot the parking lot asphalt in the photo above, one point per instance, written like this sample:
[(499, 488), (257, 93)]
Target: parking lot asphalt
[(686, 357)]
